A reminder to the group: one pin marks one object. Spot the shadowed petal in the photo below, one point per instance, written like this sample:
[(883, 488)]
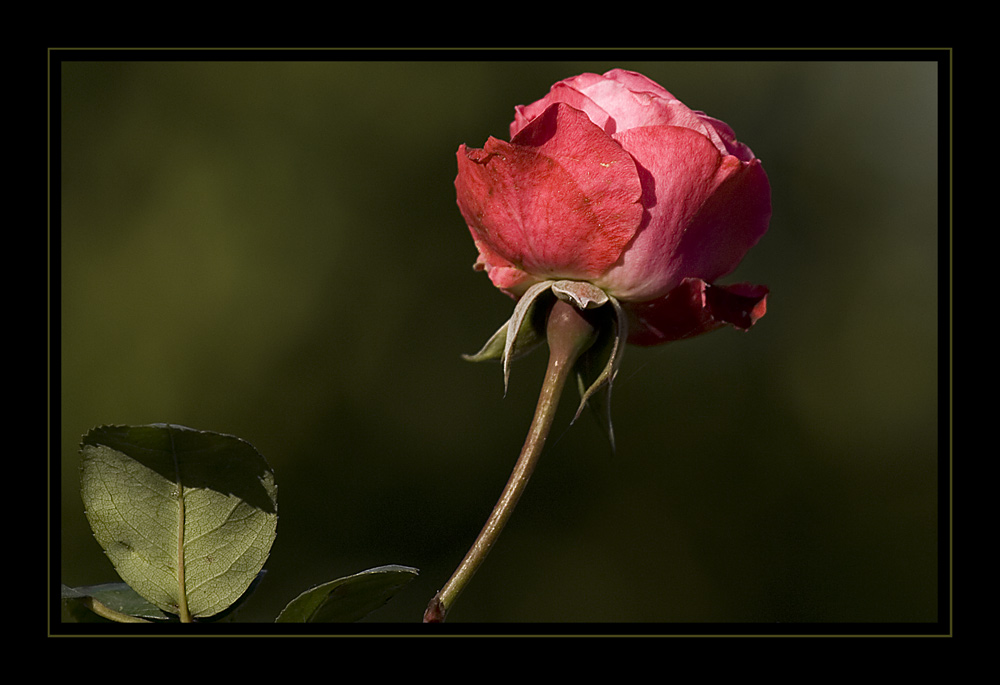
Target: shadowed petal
[(705, 210), (695, 307)]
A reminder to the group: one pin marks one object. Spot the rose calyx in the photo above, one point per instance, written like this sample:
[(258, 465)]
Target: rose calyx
[(526, 330)]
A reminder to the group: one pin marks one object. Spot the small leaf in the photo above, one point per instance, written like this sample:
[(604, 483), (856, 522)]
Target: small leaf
[(118, 597), (348, 599), (187, 517)]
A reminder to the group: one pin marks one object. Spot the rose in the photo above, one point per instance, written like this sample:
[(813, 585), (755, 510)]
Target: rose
[(610, 180), (609, 214)]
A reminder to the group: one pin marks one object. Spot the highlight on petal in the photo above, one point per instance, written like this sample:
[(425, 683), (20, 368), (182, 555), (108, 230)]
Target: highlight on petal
[(616, 101), (695, 307), (562, 200), (571, 92), (704, 211)]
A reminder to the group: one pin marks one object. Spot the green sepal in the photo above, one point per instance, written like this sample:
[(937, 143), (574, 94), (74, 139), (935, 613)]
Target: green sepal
[(530, 335), (526, 312), (597, 370), (528, 320)]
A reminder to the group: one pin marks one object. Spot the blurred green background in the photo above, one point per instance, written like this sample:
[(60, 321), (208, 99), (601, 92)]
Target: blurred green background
[(272, 250)]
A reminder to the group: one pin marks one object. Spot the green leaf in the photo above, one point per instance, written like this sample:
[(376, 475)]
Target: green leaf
[(118, 597), (348, 599), (187, 517)]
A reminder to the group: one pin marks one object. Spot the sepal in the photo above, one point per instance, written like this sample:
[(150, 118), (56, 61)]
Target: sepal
[(580, 294), (597, 370), (528, 323), (527, 340)]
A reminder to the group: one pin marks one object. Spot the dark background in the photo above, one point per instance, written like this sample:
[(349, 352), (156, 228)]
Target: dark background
[(272, 249)]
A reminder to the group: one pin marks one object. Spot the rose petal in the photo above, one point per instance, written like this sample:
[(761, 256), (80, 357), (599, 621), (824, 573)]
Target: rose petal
[(679, 170), (730, 222), (617, 101), (569, 92), (638, 83), (502, 273), (725, 134), (561, 200), (695, 307)]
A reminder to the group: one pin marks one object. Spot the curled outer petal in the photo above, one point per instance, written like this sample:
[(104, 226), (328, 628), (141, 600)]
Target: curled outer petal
[(695, 307), (549, 206)]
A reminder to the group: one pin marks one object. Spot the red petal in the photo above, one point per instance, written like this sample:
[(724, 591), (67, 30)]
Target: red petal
[(695, 307), (560, 201)]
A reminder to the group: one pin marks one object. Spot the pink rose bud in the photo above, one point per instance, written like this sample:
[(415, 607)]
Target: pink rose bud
[(611, 181), (608, 217)]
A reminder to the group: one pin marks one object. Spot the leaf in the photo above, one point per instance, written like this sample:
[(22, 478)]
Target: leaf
[(348, 599), (187, 517), (118, 597)]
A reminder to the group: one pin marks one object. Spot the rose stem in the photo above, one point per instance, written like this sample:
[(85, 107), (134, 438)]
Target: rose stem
[(569, 334)]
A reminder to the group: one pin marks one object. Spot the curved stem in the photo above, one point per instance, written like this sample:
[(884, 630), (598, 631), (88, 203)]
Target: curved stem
[(569, 335)]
